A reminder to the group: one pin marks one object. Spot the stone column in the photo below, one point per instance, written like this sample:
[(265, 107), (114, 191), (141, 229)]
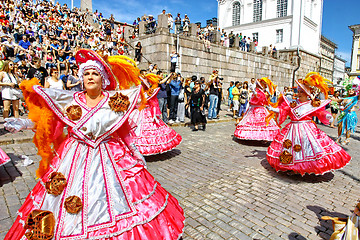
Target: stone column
[(217, 35), (162, 23), (86, 4), (354, 57), (142, 28), (252, 47), (236, 41), (193, 29), (265, 51)]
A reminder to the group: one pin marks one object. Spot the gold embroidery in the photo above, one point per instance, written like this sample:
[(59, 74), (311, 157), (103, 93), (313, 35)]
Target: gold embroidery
[(297, 148), (287, 143), (74, 112), (286, 157), (119, 102), (56, 184), (293, 104), (41, 225), (73, 204)]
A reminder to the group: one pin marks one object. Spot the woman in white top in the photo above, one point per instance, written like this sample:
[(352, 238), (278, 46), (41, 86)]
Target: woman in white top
[(53, 81), (9, 89)]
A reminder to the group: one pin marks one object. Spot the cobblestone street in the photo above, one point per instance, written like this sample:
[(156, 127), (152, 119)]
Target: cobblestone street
[(226, 188)]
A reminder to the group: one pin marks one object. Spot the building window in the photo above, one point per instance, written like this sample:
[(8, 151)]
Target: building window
[(257, 10), (281, 8), (255, 36), (236, 14), (279, 36)]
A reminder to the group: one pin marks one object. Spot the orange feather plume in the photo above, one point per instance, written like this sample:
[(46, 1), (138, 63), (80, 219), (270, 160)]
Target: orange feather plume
[(314, 79), (48, 128)]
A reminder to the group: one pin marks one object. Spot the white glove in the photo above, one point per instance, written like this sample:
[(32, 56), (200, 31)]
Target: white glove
[(136, 153), (270, 108), (14, 125), (330, 118)]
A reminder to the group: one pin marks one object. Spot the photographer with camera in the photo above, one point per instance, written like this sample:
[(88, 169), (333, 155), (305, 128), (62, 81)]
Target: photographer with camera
[(214, 89)]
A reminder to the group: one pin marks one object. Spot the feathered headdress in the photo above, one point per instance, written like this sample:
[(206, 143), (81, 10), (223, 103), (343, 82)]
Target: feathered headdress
[(313, 83), (271, 86)]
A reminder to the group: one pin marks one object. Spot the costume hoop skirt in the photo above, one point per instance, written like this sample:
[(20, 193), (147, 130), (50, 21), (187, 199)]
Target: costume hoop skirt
[(302, 147), (254, 127), (4, 158), (95, 187), (152, 135)]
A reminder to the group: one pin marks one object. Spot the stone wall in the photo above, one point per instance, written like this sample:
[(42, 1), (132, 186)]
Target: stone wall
[(233, 64)]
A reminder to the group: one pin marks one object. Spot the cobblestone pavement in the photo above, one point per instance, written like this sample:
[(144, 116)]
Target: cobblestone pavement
[(226, 187)]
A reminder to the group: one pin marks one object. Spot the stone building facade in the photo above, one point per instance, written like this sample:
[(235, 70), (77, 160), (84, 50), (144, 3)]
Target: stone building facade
[(233, 64), (339, 70), (284, 23), (327, 52)]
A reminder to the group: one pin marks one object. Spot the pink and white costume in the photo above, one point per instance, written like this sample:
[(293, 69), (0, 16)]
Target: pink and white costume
[(301, 146), (120, 198), (4, 158), (151, 135), (253, 125)]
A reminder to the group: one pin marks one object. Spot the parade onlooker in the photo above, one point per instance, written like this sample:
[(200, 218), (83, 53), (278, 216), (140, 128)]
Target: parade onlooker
[(177, 23), (10, 91), (213, 86), (175, 85), (37, 71), (73, 82), (230, 96), (138, 53), (174, 59), (243, 99), (236, 95), (197, 102), (163, 96), (180, 114), (53, 81)]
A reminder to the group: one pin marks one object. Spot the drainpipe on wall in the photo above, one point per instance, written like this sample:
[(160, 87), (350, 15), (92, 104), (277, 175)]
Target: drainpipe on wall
[(297, 68)]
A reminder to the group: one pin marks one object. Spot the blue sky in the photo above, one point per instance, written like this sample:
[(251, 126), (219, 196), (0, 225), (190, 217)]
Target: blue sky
[(336, 16)]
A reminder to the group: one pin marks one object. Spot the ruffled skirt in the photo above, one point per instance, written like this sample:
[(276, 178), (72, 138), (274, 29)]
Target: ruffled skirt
[(153, 136), (253, 125), (303, 148), (120, 199), (4, 158)]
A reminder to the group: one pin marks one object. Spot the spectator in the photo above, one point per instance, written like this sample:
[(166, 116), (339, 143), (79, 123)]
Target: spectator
[(231, 39), (174, 59), (244, 98), (37, 71), (197, 106), (236, 96), (61, 61), (163, 96), (10, 91), (175, 85), (50, 60), (186, 25), (213, 86), (138, 52), (170, 22), (53, 81), (230, 96), (24, 44), (73, 81), (177, 24), (180, 114)]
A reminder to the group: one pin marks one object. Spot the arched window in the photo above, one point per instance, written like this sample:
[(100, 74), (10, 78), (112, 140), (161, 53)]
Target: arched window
[(236, 14), (257, 16)]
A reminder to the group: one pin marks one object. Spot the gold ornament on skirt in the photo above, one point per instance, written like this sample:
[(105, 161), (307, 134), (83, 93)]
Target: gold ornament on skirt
[(286, 157), (119, 102), (297, 148), (287, 143), (41, 225), (56, 184), (73, 204), (74, 112)]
